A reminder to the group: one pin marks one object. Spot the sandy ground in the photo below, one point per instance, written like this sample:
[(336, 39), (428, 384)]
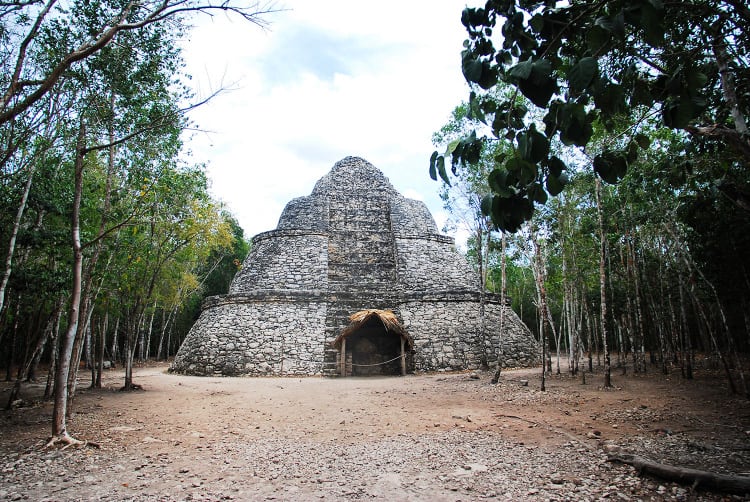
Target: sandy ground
[(422, 437)]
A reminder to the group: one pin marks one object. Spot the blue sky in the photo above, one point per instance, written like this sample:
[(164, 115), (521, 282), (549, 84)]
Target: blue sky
[(327, 79)]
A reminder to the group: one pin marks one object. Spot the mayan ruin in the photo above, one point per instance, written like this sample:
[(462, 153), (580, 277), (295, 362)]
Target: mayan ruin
[(355, 280)]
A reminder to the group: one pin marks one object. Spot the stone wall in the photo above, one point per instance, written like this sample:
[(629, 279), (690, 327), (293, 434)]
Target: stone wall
[(274, 338), (284, 259), (308, 213), (411, 217), (432, 263), (448, 335)]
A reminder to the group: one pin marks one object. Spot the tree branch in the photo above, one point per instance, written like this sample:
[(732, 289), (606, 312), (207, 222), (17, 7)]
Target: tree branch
[(160, 12)]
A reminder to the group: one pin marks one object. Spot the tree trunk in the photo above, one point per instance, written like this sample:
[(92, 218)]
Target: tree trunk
[(131, 336), (726, 483), (90, 359), (503, 296), (718, 44), (102, 343), (14, 235), (59, 412), (603, 284), (54, 356), (147, 353), (12, 347), (542, 304), (113, 354)]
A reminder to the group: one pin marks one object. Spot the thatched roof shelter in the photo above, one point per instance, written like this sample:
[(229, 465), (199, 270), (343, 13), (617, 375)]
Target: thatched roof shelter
[(362, 317)]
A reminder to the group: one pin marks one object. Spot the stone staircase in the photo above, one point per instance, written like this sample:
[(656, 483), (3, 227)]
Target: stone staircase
[(361, 262)]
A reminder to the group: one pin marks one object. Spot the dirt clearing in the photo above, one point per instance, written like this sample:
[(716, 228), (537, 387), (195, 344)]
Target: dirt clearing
[(430, 437)]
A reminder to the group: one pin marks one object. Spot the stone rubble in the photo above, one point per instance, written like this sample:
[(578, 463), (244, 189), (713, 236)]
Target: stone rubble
[(454, 465)]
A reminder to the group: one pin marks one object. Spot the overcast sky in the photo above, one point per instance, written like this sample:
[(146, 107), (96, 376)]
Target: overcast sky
[(327, 79)]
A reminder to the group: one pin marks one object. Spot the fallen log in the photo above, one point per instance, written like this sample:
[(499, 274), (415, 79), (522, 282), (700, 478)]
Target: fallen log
[(726, 483)]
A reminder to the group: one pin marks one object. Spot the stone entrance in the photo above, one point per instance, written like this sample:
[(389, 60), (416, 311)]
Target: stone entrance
[(373, 344)]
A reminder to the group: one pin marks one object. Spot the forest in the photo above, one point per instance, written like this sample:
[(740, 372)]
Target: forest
[(600, 166), (110, 237)]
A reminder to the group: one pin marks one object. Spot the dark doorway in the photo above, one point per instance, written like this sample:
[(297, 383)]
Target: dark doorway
[(374, 350), (374, 343)]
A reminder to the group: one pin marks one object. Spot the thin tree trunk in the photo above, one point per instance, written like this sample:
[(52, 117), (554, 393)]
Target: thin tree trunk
[(730, 342), (113, 355), (54, 356), (90, 358), (150, 329), (102, 343), (13, 341), (14, 235), (542, 292), (481, 251), (718, 44), (59, 412), (164, 320), (603, 284), (503, 296)]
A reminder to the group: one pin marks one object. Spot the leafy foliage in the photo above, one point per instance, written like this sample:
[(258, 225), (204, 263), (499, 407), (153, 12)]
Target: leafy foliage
[(614, 63)]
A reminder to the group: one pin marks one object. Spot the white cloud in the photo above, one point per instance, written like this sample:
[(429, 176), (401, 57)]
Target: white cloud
[(329, 79)]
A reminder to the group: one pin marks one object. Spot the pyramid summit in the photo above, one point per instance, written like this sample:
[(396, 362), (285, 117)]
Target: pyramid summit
[(355, 280)]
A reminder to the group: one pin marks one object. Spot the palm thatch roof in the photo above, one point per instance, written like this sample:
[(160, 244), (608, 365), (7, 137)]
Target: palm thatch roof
[(360, 318)]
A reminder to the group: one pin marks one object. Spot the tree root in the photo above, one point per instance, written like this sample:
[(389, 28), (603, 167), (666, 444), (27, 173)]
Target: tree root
[(132, 386), (726, 483), (65, 439)]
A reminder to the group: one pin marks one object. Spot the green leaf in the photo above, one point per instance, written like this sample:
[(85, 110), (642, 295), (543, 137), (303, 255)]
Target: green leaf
[(537, 23), (556, 166), (696, 80), (641, 94), (475, 108), (499, 183), (488, 77), (441, 170), (582, 73), (652, 21), (523, 170), (575, 125), (610, 166), (521, 71), (509, 213), (554, 187), (677, 113), (532, 145), (605, 23), (539, 94), (433, 167), (610, 100), (597, 38), (452, 146), (643, 140), (537, 193), (535, 81), (470, 66)]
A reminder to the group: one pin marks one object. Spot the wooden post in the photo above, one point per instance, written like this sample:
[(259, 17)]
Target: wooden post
[(343, 357), (403, 358)]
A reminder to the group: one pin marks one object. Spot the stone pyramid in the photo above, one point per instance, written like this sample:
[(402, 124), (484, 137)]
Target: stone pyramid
[(353, 244)]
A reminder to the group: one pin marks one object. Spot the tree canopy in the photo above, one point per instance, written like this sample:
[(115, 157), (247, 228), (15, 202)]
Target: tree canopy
[(681, 65)]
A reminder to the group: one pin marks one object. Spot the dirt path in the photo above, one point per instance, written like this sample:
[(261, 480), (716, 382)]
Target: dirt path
[(426, 437)]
